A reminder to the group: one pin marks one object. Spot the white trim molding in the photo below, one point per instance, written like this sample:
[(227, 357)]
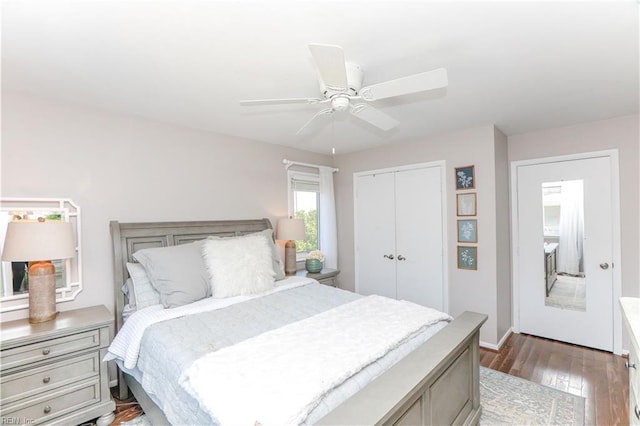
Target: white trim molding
[(498, 346)]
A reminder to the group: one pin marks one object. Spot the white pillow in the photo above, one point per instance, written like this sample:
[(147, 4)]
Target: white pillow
[(143, 292), (239, 265), (278, 264)]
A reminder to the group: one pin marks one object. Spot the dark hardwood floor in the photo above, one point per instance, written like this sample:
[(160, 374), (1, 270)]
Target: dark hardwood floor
[(600, 377)]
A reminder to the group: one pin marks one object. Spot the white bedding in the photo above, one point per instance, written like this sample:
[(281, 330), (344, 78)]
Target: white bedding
[(126, 345), (161, 350), (281, 376)]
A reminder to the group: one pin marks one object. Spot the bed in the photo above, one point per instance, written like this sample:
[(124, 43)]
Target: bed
[(434, 380)]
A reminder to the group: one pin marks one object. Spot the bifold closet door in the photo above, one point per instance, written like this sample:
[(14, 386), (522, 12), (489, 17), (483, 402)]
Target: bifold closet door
[(375, 234), (419, 237), (399, 235)]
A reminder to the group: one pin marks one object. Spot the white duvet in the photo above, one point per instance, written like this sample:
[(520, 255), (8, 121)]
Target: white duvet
[(279, 377)]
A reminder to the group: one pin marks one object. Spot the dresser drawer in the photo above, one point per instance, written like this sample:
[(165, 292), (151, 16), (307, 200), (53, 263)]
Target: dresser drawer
[(329, 281), (46, 407), (25, 383), (634, 408), (47, 349)]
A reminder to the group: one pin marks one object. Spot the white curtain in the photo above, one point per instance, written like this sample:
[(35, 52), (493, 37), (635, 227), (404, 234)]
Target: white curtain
[(571, 228), (328, 229)]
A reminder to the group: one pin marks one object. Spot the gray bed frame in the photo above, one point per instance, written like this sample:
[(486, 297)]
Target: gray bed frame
[(437, 384)]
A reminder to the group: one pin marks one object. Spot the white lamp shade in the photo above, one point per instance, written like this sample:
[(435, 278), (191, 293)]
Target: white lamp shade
[(291, 229), (30, 241)]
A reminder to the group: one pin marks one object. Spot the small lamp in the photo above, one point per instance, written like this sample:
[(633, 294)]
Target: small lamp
[(290, 230), (37, 242)]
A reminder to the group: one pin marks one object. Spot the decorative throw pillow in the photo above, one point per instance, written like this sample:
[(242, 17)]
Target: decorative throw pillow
[(239, 265), (143, 293), (178, 273), (278, 264)]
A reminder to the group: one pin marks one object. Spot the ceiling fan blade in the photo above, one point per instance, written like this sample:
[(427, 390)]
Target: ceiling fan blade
[(330, 62), (284, 101), (310, 125), (405, 85), (374, 116)]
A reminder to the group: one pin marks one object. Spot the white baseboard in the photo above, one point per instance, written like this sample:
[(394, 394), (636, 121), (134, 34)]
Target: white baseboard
[(113, 383), (497, 347)]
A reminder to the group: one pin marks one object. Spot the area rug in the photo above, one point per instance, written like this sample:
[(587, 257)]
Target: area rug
[(510, 400)]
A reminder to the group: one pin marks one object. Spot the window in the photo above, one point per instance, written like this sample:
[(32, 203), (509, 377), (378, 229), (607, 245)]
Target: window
[(304, 203)]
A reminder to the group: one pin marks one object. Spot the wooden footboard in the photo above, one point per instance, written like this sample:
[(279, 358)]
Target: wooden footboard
[(437, 384)]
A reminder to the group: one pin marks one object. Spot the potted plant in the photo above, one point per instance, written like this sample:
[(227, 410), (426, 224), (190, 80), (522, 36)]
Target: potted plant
[(313, 262)]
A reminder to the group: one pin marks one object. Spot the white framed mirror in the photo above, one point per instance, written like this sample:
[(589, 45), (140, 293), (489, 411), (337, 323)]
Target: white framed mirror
[(14, 291)]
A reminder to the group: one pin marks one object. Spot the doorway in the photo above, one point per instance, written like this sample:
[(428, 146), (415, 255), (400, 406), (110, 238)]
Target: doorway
[(566, 240)]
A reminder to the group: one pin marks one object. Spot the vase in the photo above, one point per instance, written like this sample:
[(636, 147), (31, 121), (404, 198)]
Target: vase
[(313, 265)]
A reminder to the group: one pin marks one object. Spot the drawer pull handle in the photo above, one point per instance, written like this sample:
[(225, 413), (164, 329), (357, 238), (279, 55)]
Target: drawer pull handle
[(630, 364), (47, 409), (46, 379), (46, 351), (636, 410)]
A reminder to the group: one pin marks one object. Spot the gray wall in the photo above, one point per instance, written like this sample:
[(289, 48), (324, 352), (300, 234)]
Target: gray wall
[(468, 290), (130, 169), (503, 235)]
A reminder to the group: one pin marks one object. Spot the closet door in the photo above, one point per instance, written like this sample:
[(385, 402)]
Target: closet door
[(419, 237), (375, 234)]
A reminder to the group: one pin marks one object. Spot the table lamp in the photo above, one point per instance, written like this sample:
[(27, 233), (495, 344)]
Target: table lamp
[(290, 230), (37, 243)]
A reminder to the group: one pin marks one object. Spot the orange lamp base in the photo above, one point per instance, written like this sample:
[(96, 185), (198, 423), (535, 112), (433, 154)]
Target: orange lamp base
[(42, 292), (290, 258)]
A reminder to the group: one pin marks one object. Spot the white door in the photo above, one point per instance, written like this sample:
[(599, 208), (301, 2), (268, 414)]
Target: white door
[(589, 321), (375, 234), (399, 236), (419, 234)]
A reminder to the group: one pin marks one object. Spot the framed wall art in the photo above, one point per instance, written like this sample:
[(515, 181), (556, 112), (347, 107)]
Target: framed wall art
[(467, 231), (468, 258), (466, 204), (465, 177)]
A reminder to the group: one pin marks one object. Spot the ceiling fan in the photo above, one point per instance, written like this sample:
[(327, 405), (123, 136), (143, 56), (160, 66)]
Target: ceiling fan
[(341, 89)]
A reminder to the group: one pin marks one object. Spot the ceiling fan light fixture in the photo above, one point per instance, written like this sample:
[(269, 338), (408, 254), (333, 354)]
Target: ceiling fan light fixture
[(340, 103)]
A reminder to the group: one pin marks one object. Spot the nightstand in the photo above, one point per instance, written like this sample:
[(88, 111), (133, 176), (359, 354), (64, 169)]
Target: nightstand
[(327, 276), (52, 372)]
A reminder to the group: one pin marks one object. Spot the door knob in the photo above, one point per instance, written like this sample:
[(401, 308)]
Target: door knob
[(604, 265), (401, 257), (388, 256)]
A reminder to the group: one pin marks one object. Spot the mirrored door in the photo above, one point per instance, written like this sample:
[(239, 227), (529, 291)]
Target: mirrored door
[(565, 251)]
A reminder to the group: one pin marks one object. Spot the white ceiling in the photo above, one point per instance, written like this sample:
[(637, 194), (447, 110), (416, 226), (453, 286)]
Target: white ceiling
[(520, 65)]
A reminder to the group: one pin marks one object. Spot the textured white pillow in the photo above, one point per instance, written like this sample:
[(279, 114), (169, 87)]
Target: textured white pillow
[(239, 265), (278, 264)]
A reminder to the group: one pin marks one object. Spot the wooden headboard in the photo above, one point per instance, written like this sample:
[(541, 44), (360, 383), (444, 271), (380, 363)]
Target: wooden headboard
[(130, 237)]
